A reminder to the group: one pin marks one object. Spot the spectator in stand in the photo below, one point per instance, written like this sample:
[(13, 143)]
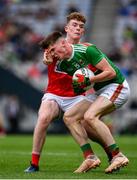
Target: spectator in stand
[(12, 111)]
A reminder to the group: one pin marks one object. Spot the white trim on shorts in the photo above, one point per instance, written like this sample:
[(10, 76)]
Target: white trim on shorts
[(64, 103)]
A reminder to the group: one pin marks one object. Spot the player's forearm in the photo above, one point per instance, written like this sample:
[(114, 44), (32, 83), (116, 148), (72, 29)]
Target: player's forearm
[(104, 76)]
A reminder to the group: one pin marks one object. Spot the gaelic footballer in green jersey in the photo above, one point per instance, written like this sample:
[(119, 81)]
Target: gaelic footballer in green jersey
[(74, 57), (82, 56), (112, 89)]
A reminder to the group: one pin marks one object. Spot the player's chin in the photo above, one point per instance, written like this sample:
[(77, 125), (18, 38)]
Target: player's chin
[(77, 37)]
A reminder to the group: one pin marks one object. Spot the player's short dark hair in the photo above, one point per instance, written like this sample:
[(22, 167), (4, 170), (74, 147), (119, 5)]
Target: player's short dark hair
[(50, 39), (76, 15)]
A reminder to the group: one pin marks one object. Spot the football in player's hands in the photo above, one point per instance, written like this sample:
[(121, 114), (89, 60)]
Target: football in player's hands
[(82, 78)]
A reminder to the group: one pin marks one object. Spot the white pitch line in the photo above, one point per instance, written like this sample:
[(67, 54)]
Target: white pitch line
[(56, 154), (29, 153)]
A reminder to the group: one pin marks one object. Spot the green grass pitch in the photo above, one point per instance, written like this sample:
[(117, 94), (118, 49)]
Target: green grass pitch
[(60, 157)]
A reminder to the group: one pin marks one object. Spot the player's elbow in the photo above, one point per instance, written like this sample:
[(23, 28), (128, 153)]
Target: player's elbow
[(111, 74)]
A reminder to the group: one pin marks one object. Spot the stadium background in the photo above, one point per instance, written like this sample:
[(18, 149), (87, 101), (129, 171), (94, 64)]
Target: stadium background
[(111, 25)]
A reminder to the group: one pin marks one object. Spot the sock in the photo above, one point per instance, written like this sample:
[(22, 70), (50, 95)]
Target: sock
[(113, 150), (109, 155), (87, 151), (35, 159)]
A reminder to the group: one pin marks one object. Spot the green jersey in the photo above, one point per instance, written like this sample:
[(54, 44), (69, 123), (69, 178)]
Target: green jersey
[(82, 56)]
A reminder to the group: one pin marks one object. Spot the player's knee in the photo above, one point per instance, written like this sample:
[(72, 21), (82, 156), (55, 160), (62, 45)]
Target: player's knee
[(44, 120), (68, 119), (89, 117)]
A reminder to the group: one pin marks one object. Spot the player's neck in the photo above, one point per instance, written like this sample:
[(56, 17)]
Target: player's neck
[(72, 41), (69, 52)]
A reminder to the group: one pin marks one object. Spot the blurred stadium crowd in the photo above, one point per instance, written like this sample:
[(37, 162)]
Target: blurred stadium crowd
[(24, 23), (125, 42)]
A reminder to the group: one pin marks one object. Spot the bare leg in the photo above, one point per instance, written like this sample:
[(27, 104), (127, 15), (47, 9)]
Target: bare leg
[(96, 110), (47, 112), (100, 107), (92, 133), (75, 114), (72, 119)]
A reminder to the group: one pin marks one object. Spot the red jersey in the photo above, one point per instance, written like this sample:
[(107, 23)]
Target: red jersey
[(59, 83)]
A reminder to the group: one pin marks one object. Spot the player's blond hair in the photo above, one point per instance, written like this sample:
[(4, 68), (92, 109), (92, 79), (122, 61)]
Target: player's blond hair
[(76, 15)]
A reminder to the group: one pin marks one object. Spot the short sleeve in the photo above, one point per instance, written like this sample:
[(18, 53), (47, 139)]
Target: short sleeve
[(94, 55)]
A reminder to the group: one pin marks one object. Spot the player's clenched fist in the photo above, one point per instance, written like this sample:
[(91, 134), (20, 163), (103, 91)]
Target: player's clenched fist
[(48, 59)]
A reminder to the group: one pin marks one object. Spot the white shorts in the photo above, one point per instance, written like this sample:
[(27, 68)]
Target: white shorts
[(117, 93), (65, 103)]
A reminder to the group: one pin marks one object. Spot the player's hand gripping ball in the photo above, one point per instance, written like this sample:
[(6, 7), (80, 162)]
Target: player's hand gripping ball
[(81, 80)]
